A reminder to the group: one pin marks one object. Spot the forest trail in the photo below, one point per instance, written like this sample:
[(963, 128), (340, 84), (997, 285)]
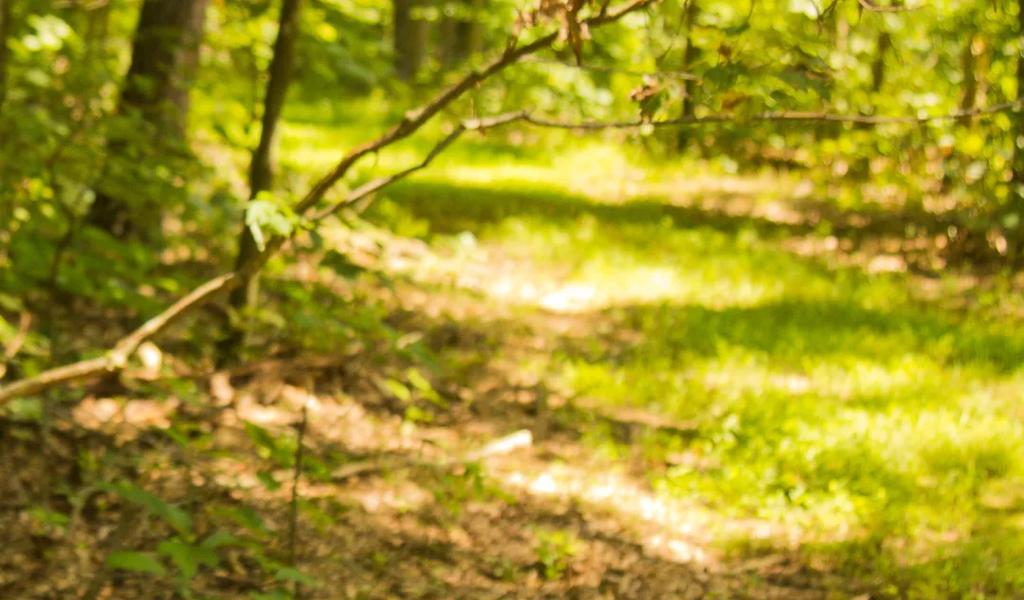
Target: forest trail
[(611, 396)]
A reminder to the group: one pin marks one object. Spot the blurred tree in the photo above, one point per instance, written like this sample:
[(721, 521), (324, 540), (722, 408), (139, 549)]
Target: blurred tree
[(691, 52), (410, 38), (461, 35), (1016, 205), (973, 64), (261, 170), (5, 26), (165, 52)]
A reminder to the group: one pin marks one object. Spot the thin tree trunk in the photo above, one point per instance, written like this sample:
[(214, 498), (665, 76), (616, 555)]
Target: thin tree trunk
[(878, 66), (1016, 200), (5, 28), (261, 170), (281, 67), (690, 55), (165, 54), (460, 34), (1018, 152), (974, 68), (410, 39)]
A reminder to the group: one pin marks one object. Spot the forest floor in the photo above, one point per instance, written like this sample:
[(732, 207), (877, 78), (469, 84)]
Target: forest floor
[(661, 387)]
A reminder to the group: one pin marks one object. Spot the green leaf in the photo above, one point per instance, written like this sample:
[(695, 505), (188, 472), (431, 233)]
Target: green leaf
[(249, 519), (292, 574), (188, 557), (265, 215), (137, 562), (397, 389), (171, 514), (268, 481), (218, 539)]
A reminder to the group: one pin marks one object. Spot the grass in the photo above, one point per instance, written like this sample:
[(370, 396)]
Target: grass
[(879, 429), (882, 429)]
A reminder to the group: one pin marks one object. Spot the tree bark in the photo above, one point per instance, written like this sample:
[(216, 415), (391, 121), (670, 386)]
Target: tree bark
[(261, 170), (165, 54), (410, 39)]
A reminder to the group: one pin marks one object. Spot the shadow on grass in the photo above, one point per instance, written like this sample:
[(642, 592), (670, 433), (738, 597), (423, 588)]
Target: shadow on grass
[(455, 207), (791, 331)]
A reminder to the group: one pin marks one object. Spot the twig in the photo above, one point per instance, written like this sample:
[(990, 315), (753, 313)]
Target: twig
[(791, 116), (12, 348), (606, 69), (872, 7), (293, 524)]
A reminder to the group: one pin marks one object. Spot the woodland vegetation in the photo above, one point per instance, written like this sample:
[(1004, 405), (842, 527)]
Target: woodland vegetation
[(511, 299)]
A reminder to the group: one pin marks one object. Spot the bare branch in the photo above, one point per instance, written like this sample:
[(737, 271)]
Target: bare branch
[(416, 118), (667, 74), (116, 358), (375, 185), (793, 116), (872, 7)]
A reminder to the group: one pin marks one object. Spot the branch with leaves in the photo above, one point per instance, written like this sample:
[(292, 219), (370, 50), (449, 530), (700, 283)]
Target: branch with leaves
[(115, 359)]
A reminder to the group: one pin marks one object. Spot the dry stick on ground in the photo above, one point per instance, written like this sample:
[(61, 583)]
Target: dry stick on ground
[(503, 445), (414, 120)]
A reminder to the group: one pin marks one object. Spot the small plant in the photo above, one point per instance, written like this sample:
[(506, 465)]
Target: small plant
[(555, 550)]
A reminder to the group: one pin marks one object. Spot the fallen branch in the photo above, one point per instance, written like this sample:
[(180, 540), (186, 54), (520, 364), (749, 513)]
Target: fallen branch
[(117, 357), (501, 446)]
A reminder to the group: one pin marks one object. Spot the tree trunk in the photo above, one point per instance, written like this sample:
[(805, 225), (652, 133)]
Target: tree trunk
[(690, 55), (1018, 152), (165, 54), (974, 67), (281, 66), (1015, 245), (5, 28), (460, 34), (261, 170), (878, 66), (410, 37)]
